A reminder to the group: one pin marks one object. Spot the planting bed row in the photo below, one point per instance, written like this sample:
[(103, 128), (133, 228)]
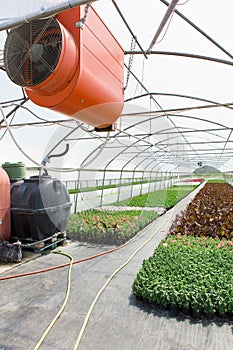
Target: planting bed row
[(191, 270), (165, 198), (117, 227), (104, 187), (108, 227), (210, 214)]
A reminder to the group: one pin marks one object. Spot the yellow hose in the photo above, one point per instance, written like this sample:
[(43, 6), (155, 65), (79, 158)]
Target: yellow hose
[(64, 303), (108, 281)]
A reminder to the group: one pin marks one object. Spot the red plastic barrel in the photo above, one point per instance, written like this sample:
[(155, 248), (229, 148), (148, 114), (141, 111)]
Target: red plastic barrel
[(4, 206)]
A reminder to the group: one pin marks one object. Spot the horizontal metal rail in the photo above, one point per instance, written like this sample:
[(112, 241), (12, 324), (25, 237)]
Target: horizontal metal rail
[(41, 13)]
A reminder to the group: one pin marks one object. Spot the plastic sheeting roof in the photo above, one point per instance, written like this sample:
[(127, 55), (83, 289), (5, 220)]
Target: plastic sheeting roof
[(178, 97)]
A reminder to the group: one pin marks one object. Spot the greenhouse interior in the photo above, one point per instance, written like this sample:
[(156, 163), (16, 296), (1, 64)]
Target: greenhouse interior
[(116, 226)]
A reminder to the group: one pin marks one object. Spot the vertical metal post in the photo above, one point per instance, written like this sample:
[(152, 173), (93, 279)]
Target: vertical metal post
[(156, 181), (133, 179), (119, 187), (102, 190), (149, 181), (77, 188), (142, 182)]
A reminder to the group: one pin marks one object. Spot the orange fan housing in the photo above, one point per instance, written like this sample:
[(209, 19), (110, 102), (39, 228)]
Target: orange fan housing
[(87, 82)]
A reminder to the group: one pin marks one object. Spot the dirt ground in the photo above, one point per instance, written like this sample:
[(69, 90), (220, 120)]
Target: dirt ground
[(118, 321)]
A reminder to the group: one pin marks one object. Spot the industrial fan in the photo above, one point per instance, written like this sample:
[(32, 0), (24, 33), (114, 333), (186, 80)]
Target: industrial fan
[(73, 70), (34, 49)]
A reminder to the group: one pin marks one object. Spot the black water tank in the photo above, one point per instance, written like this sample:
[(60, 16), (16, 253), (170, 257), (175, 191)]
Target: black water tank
[(40, 207)]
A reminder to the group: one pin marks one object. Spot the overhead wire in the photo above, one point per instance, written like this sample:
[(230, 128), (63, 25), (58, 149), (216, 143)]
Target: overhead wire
[(14, 140), (125, 22), (14, 109), (40, 124), (57, 122), (128, 27), (39, 164), (134, 41), (185, 55), (10, 102), (225, 145), (86, 162), (31, 112), (176, 95), (5, 131), (180, 133), (198, 130), (195, 118), (183, 3), (165, 31), (165, 19), (164, 112), (200, 30), (180, 110)]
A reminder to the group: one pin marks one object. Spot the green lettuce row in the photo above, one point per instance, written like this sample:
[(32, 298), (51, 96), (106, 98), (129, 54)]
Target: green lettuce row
[(191, 273), (165, 198)]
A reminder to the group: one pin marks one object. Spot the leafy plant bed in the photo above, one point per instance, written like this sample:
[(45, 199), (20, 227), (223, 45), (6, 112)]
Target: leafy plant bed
[(191, 270), (166, 198), (216, 181), (194, 180), (106, 227), (189, 274), (209, 214), (104, 187)]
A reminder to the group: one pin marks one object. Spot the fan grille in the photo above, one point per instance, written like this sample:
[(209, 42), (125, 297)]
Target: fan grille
[(32, 51)]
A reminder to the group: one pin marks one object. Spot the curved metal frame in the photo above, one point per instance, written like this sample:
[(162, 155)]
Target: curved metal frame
[(170, 134)]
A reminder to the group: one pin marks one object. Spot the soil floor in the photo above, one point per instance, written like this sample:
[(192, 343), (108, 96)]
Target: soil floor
[(118, 321)]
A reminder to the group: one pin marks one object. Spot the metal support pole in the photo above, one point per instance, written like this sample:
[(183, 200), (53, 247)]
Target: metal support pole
[(156, 181), (166, 17), (77, 187), (102, 190), (119, 188), (133, 179), (142, 182), (42, 13)]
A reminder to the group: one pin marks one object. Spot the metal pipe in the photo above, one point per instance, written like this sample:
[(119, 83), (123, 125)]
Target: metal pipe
[(14, 109), (166, 17), (42, 13), (199, 30), (128, 27), (182, 54), (76, 195)]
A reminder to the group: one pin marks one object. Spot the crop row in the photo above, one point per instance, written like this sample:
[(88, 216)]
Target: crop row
[(106, 227), (165, 198), (104, 187), (189, 273), (191, 270), (209, 214), (117, 227)]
